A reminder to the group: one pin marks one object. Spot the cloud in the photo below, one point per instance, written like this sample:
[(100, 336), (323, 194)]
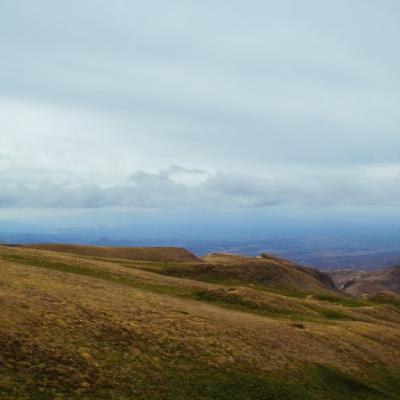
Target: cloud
[(298, 98), (362, 186), (274, 82)]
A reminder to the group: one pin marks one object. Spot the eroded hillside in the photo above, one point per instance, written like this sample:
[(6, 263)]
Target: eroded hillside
[(369, 282)]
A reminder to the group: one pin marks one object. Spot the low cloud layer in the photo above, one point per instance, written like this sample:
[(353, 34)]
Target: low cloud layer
[(178, 187), (274, 102)]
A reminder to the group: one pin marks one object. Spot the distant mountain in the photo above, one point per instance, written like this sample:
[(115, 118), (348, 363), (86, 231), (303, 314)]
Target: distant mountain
[(344, 250)]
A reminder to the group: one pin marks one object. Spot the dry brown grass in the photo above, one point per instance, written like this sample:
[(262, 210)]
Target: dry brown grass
[(161, 254), (67, 334)]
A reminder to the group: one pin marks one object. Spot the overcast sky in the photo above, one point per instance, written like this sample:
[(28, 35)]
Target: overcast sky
[(218, 104)]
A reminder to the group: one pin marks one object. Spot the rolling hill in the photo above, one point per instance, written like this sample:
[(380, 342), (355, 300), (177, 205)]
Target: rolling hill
[(161, 254), (82, 324)]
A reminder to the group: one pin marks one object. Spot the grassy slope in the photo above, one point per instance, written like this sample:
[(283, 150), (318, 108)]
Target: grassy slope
[(77, 327), (164, 254)]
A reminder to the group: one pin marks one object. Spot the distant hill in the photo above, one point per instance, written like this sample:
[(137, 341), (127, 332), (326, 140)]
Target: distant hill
[(77, 323), (266, 269), (161, 254), (368, 282)]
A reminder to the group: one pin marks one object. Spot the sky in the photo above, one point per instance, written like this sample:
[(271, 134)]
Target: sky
[(184, 105)]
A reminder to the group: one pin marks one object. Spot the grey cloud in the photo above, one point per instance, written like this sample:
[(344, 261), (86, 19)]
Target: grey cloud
[(301, 97), (219, 189), (304, 82), (164, 175)]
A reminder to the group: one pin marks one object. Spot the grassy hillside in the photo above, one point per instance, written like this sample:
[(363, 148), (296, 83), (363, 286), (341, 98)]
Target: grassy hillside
[(162, 254), (90, 327)]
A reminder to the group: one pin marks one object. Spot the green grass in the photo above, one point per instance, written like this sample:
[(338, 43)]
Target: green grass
[(308, 382), (325, 382), (383, 298), (287, 292), (233, 385), (330, 313), (236, 302), (344, 301)]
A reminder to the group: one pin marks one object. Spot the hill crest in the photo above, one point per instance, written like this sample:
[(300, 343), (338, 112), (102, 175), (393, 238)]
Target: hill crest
[(158, 254)]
